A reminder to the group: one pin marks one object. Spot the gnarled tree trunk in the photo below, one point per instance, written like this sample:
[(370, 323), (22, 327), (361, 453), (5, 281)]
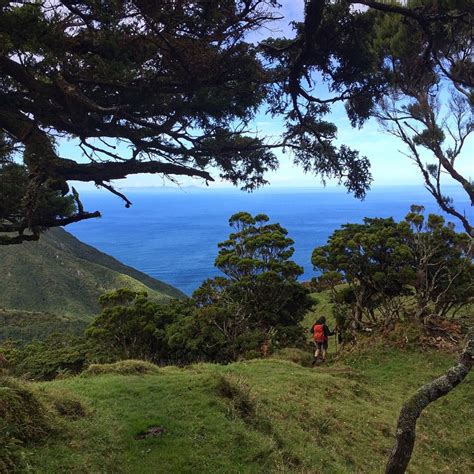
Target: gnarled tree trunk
[(411, 410)]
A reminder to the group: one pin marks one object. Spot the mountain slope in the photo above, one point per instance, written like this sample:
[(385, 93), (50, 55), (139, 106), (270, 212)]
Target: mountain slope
[(61, 275)]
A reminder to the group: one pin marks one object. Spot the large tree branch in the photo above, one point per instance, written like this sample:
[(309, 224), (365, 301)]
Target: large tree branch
[(412, 409), (99, 172), (36, 224)]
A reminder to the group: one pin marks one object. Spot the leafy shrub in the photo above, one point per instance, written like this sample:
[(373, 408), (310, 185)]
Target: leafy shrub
[(59, 356), (123, 367), (45, 360), (28, 326), (417, 267), (132, 326)]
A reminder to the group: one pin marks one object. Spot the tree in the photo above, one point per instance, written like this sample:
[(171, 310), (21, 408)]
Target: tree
[(408, 64), (442, 261), (384, 263), (371, 259), (130, 325), (260, 291), (168, 88), (174, 90), (50, 205), (413, 407), (429, 99), (142, 87)]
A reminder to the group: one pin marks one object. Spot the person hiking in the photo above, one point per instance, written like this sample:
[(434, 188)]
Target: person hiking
[(321, 335)]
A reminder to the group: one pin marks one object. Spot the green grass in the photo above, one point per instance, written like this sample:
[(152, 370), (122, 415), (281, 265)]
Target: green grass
[(259, 416)]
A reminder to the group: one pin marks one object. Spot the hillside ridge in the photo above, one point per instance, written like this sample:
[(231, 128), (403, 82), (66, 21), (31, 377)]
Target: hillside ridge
[(38, 276)]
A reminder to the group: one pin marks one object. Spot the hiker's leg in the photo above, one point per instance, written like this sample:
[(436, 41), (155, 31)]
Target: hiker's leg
[(316, 354), (325, 349)]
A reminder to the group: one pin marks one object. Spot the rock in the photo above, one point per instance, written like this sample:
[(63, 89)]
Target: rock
[(152, 432)]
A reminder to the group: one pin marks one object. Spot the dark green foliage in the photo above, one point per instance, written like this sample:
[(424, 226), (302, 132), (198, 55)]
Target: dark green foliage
[(132, 325), (195, 335), (181, 97), (442, 259), (25, 326), (261, 294), (49, 204), (58, 356), (120, 297), (371, 258), (385, 263), (257, 308), (429, 92)]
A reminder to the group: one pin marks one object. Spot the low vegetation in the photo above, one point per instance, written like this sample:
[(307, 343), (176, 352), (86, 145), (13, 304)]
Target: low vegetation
[(259, 415), (27, 326), (122, 367)]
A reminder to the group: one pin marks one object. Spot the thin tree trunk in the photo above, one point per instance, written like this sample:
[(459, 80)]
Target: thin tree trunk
[(411, 410)]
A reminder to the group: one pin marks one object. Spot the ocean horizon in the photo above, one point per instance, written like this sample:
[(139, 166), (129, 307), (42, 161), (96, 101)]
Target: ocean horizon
[(172, 233)]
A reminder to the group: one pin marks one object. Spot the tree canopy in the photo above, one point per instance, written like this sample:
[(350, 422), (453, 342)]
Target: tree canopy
[(172, 88), (259, 292), (417, 268)]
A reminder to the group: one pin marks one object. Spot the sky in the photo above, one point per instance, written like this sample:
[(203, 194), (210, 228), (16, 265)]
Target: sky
[(388, 164)]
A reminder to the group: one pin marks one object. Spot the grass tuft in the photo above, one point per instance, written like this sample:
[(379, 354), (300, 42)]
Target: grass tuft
[(292, 354), (23, 419), (67, 405), (236, 389)]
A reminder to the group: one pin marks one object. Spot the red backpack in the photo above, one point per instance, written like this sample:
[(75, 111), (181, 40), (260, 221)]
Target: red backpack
[(318, 333)]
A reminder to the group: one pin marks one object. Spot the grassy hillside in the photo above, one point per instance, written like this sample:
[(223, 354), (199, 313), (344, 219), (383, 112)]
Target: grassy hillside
[(61, 275), (258, 416)]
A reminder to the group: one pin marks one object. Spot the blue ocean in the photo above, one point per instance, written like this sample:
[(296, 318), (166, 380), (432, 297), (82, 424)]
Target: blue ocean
[(172, 234)]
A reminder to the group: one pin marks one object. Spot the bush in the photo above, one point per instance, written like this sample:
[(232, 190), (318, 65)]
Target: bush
[(59, 356), (45, 360), (123, 367)]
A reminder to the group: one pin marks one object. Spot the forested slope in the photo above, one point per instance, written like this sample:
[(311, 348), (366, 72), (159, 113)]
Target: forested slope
[(61, 275)]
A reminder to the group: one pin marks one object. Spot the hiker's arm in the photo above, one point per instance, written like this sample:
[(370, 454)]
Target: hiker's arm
[(327, 332)]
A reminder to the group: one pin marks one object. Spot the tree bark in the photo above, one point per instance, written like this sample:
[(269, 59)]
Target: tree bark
[(411, 410)]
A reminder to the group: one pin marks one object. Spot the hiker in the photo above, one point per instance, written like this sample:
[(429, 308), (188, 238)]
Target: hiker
[(321, 335)]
